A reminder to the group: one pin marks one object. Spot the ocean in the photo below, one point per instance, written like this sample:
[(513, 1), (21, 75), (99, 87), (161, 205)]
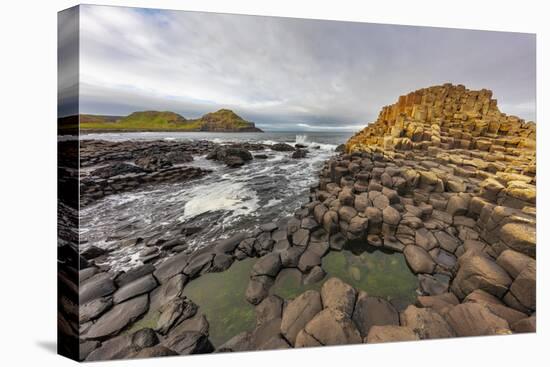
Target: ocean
[(222, 203)]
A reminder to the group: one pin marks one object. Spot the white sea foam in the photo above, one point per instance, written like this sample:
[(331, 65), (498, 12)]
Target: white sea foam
[(273, 202), (302, 139), (221, 195)]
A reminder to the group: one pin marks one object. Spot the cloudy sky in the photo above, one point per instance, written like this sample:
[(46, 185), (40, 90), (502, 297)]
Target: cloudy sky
[(287, 73)]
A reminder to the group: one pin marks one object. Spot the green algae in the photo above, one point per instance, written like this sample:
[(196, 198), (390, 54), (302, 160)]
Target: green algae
[(379, 273), (221, 298)]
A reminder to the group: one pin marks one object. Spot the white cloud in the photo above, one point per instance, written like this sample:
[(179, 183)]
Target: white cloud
[(278, 70)]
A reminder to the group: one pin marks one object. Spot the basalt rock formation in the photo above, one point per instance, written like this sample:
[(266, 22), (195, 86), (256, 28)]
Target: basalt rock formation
[(442, 176), (445, 177)]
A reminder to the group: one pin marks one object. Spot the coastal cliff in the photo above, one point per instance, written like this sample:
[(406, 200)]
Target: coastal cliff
[(223, 120)]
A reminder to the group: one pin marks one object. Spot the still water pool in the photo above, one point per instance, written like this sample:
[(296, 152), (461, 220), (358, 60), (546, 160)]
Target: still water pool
[(221, 296), (379, 273)]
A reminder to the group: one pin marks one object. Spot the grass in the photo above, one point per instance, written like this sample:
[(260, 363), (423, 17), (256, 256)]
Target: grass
[(165, 121)]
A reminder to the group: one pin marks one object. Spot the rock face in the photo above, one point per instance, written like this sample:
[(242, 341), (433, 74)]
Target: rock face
[(298, 313)]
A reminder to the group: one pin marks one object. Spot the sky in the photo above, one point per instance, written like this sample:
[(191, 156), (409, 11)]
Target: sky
[(285, 73)]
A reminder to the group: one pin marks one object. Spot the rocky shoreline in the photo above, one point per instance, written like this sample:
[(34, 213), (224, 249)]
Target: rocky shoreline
[(442, 176), (114, 167)]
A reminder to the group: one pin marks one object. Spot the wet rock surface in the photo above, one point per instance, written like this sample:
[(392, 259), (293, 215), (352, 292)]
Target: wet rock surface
[(442, 176)]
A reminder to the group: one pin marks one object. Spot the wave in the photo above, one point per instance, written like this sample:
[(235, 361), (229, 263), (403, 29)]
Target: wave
[(303, 140), (224, 194)]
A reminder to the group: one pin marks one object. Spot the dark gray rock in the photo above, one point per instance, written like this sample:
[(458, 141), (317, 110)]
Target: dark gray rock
[(135, 288), (94, 309), (308, 261), (173, 313), (281, 246), (337, 241), (85, 348), (118, 317), (154, 352), (171, 267), (293, 225), (189, 342), (269, 264), (446, 241), (309, 223), (229, 245), (291, 256), (97, 286), (92, 252), (276, 342), (279, 235), (125, 278), (239, 343), (269, 227), (258, 288), (300, 237), (315, 275), (221, 262), (282, 147), (198, 264), (115, 348), (266, 331), (144, 338), (434, 285), (425, 239), (299, 153), (168, 291), (270, 308), (320, 248), (87, 273)]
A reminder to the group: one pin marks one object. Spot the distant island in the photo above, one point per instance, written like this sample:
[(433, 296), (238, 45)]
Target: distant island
[(223, 120)]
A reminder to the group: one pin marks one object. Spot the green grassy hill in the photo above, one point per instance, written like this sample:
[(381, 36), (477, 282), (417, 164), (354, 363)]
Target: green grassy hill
[(99, 118), (222, 120)]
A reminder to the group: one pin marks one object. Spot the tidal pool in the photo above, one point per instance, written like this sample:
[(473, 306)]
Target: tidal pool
[(221, 298), (379, 273)]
